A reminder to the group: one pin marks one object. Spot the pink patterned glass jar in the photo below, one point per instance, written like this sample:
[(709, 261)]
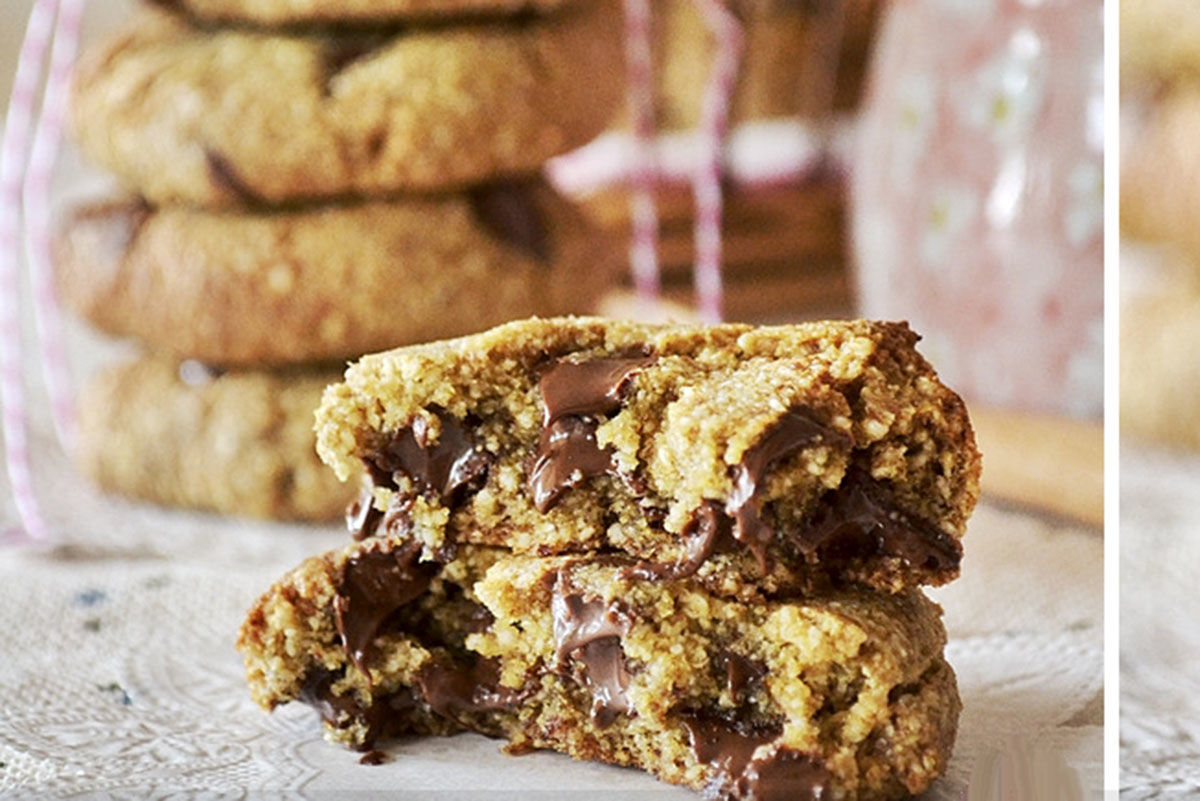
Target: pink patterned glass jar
[(978, 195)]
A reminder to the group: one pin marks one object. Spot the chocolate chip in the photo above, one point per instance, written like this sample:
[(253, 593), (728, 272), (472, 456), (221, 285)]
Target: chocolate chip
[(726, 745), (451, 688), (227, 181), (576, 396), (589, 634), (795, 430), (386, 716), (740, 673), (784, 775), (594, 387), (362, 518), (510, 212), (708, 531), (374, 585), (861, 518), (439, 469), (566, 456)]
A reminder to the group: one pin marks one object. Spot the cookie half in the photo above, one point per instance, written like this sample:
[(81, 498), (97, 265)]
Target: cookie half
[(277, 13), (844, 697), (332, 282), (759, 459), (181, 435), (232, 117)]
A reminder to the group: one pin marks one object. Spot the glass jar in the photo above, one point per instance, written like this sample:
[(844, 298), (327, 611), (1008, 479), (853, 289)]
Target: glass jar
[(978, 195)]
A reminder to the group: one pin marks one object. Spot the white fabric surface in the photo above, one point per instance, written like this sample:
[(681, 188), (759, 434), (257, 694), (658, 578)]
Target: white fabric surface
[(118, 672), (1160, 641)]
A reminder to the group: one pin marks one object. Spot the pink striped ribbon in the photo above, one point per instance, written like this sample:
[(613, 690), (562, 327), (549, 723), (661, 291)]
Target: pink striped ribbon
[(643, 248), (22, 180), (714, 127), (38, 239)]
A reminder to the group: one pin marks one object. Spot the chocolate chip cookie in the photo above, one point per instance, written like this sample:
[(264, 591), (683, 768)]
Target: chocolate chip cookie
[(281, 13), (844, 697), (756, 459), (332, 282), (184, 435), (233, 117), (1160, 194)]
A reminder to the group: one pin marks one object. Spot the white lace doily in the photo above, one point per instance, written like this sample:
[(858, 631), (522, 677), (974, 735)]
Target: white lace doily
[(119, 674), (1160, 641)]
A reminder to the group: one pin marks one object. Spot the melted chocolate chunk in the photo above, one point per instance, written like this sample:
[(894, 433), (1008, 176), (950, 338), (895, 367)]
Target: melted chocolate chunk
[(440, 469), (740, 673), (795, 430), (362, 518), (589, 388), (589, 633), (567, 455), (227, 181), (511, 213), (784, 775), (374, 585), (860, 518), (780, 774), (576, 396), (451, 689), (708, 532), (385, 717), (726, 745)]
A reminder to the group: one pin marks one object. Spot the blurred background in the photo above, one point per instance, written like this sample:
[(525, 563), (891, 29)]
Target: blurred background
[(956, 187), (1160, 379)]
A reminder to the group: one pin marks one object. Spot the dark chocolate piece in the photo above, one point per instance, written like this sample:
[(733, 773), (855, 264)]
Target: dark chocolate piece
[(374, 585), (386, 716), (362, 518), (784, 775), (709, 531), (780, 774), (795, 430), (567, 455), (589, 633), (576, 396), (588, 388), (726, 745), (440, 469), (740, 673), (451, 689), (510, 212), (861, 518)]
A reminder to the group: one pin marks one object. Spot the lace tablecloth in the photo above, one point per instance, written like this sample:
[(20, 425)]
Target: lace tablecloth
[(118, 671), (1160, 641)]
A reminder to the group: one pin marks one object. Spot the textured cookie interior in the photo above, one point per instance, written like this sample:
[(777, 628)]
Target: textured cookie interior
[(837, 416), (581, 655)]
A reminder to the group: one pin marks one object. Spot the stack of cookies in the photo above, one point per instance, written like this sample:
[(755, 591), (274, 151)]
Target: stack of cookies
[(693, 550), (1160, 199), (313, 181)]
